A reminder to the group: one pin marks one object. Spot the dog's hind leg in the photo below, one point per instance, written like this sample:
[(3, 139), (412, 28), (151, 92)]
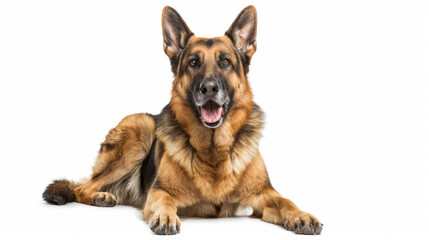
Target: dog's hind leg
[(124, 149)]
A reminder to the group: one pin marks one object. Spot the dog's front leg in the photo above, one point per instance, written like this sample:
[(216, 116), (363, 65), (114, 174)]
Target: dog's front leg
[(273, 208), (160, 212)]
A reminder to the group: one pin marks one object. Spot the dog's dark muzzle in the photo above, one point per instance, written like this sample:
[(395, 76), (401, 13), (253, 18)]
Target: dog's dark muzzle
[(211, 100)]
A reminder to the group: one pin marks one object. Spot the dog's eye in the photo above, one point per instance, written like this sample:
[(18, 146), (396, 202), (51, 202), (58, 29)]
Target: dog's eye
[(193, 63), (226, 62)]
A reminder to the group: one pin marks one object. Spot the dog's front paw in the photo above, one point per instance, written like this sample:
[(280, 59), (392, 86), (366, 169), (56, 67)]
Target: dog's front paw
[(165, 224), (303, 223)]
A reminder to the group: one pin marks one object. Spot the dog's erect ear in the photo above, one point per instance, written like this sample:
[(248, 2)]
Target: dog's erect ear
[(175, 32), (243, 32)]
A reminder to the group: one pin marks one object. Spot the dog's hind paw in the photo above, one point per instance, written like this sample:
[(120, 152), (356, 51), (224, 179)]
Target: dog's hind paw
[(103, 199)]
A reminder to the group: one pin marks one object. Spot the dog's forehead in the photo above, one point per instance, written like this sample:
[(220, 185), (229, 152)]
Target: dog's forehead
[(208, 46)]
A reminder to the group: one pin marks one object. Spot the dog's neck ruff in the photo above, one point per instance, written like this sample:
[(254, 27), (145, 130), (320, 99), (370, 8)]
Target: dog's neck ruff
[(185, 149)]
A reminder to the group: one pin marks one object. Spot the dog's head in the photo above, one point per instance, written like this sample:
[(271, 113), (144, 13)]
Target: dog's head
[(210, 73)]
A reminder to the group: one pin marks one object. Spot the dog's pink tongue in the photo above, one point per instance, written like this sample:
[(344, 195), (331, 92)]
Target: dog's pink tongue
[(211, 114)]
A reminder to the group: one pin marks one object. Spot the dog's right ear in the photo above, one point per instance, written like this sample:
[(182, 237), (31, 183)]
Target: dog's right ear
[(175, 32)]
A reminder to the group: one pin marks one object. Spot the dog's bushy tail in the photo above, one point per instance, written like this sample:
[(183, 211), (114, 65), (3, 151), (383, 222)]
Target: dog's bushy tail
[(60, 192)]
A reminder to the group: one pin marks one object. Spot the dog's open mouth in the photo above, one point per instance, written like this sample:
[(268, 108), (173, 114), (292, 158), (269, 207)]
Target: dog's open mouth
[(211, 114)]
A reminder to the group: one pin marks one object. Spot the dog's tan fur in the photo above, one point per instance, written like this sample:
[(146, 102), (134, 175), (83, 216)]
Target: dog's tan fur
[(199, 171)]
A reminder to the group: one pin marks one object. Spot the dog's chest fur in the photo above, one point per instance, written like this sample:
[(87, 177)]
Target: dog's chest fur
[(215, 180), (215, 162)]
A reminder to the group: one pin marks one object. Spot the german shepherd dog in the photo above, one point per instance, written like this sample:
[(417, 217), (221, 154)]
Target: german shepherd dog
[(199, 157)]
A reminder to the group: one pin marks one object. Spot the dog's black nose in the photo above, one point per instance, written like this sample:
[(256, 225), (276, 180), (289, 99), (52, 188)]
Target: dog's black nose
[(209, 87)]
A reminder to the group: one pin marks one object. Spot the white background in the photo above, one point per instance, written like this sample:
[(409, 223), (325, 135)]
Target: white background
[(344, 85)]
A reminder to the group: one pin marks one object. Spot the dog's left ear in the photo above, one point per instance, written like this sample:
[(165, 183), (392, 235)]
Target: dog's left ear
[(175, 32), (243, 32)]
